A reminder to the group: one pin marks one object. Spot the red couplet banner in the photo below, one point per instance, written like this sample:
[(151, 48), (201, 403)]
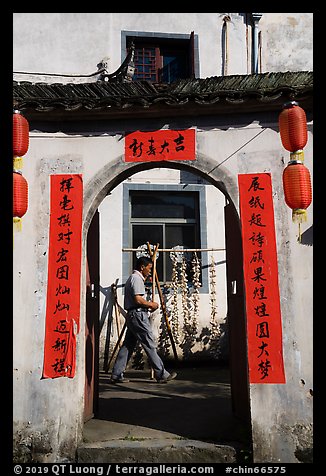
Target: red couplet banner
[(160, 145), (264, 325), (64, 267)]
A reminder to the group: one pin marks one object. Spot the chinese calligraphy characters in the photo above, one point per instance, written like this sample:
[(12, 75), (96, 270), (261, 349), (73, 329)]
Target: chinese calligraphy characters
[(64, 265), (160, 145), (261, 279)]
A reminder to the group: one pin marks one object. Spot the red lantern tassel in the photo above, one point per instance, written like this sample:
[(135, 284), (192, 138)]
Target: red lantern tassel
[(18, 163), (299, 215), (297, 156), (17, 224)]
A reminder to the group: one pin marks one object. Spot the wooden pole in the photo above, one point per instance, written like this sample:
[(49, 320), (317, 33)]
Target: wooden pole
[(116, 309), (181, 250), (153, 256), (164, 308), (109, 326), (117, 314), (153, 286)]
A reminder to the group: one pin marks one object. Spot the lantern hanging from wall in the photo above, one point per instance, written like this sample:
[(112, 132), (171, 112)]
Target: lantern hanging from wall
[(297, 190), (20, 198), (20, 138), (296, 177), (293, 127)]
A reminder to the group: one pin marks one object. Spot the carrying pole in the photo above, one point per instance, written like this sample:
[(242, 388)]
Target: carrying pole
[(163, 307), (116, 309), (153, 289), (120, 334), (154, 269), (108, 330)]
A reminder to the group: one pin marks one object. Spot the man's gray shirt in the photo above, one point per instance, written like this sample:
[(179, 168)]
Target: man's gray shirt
[(134, 285)]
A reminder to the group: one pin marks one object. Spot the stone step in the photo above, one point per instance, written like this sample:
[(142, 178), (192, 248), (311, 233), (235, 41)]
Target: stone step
[(155, 451)]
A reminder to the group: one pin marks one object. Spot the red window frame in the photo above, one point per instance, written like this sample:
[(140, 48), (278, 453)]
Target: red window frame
[(155, 64)]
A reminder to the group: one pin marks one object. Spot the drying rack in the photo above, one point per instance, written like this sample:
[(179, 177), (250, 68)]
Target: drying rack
[(152, 253)]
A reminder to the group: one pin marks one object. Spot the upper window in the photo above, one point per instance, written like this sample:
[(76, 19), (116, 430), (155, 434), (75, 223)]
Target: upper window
[(163, 59)]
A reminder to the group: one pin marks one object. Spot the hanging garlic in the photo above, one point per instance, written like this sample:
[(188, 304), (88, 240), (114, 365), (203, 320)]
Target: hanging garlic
[(195, 294), (212, 283), (215, 327), (184, 289), (188, 329), (174, 301), (164, 343)]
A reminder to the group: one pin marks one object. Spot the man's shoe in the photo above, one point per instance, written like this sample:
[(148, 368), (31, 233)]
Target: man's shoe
[(119, 380), (167, 379)]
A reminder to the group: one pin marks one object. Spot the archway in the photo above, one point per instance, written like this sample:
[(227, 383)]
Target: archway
[(117, 171)]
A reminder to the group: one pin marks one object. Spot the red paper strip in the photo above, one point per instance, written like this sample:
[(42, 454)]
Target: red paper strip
[(264, 326), (160, 145), (64, 267)]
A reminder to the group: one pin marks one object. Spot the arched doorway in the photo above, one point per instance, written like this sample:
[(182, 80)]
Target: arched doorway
[(118, 171)]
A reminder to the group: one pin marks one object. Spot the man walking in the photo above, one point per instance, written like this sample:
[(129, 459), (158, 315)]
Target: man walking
[(138, 325)]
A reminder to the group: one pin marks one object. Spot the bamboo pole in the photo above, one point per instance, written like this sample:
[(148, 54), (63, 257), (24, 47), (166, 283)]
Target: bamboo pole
[(108, 329), (153, 288), (164, 308), (120, 334), (116, 309), (181, 250), (154, 269)]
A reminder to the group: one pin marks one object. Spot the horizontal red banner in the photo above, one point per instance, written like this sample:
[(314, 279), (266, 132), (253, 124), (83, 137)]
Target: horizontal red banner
[(160, 145)]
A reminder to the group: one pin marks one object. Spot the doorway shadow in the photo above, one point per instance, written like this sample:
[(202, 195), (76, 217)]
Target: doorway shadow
[(196, 405)]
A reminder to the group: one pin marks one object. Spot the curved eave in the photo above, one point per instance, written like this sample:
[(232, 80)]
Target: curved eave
[(216, 95)]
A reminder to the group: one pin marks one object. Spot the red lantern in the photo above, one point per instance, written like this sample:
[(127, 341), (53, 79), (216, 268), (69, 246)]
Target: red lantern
[(20, 134), (20, 198), (297, 189), (293, 127)]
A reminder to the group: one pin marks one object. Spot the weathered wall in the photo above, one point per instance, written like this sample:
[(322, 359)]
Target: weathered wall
[(286, 41), (48, 422), (41, 39), (45, 427)]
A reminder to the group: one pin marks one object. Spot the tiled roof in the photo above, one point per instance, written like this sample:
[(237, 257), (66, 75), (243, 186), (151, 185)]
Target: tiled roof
[(257, 90), (261, 84)]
